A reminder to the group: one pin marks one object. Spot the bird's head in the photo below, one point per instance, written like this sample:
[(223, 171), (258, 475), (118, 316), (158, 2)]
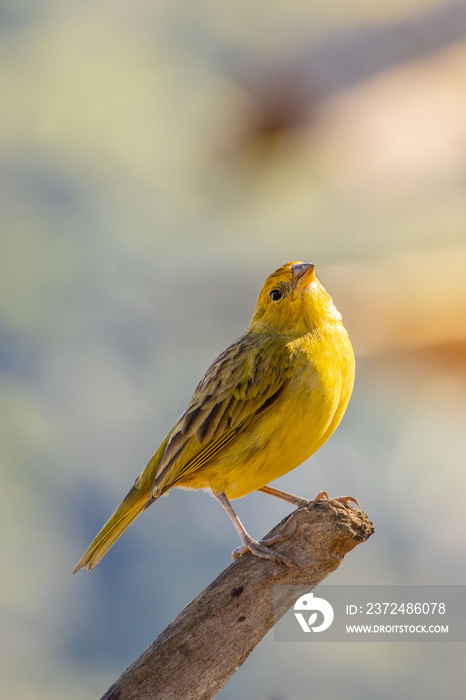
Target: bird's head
[(293, 301)]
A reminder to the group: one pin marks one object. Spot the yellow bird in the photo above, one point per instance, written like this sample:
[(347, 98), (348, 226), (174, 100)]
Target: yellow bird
[(265, 405)]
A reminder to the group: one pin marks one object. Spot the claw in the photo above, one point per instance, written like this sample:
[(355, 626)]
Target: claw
[(262, 549), (346, 500)]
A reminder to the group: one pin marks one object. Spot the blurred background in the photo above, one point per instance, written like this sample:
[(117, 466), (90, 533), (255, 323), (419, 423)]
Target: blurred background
[(158, 160)]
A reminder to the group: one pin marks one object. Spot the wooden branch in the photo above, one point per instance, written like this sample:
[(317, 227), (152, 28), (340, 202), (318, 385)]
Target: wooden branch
[(201, 649)]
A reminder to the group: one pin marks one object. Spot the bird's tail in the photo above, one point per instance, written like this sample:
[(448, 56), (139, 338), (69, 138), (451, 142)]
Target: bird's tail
[(127, 511), (131, 506)]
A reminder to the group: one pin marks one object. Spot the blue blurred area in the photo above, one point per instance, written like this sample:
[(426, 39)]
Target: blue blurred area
[(153, 172)]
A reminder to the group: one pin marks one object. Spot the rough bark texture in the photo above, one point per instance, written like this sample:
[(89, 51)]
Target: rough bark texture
[(201, 649)]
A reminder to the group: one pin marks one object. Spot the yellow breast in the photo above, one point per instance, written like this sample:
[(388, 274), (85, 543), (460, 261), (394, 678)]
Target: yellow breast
[(303, 418)]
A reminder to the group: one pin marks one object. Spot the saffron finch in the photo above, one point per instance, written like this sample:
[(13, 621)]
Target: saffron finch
[(265, 405)]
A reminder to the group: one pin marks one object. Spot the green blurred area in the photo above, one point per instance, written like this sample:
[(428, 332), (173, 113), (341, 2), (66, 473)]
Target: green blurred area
[(157, 161)]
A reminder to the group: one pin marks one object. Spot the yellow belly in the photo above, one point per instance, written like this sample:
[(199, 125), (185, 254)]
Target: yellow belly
[(292, 430)]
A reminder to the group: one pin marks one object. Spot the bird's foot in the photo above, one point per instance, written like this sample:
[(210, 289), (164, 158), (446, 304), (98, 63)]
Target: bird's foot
[(262, 549), (346, 500)]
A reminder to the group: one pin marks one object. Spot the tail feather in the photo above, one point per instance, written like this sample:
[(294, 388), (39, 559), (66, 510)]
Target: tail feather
[(131, 506), (127, 511)]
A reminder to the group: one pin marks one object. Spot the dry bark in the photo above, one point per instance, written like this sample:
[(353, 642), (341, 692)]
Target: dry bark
[(201, 649)]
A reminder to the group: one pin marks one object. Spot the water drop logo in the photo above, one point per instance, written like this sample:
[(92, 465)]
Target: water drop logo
[(309, 604)]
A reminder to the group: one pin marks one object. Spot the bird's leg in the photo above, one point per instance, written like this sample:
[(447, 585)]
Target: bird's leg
[(259, 548), (301, 502), (295, 500)]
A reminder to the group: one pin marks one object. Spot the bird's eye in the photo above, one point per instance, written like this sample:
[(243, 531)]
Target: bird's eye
[(275, 294)]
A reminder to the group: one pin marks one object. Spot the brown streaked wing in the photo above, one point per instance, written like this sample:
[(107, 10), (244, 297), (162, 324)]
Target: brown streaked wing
[(231, 396)]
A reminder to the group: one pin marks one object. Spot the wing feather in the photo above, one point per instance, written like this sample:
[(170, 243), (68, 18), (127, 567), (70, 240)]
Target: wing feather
[(243, 382)]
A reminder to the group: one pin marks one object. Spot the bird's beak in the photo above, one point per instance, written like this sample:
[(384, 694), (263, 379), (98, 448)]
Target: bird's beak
[(303, 274)]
